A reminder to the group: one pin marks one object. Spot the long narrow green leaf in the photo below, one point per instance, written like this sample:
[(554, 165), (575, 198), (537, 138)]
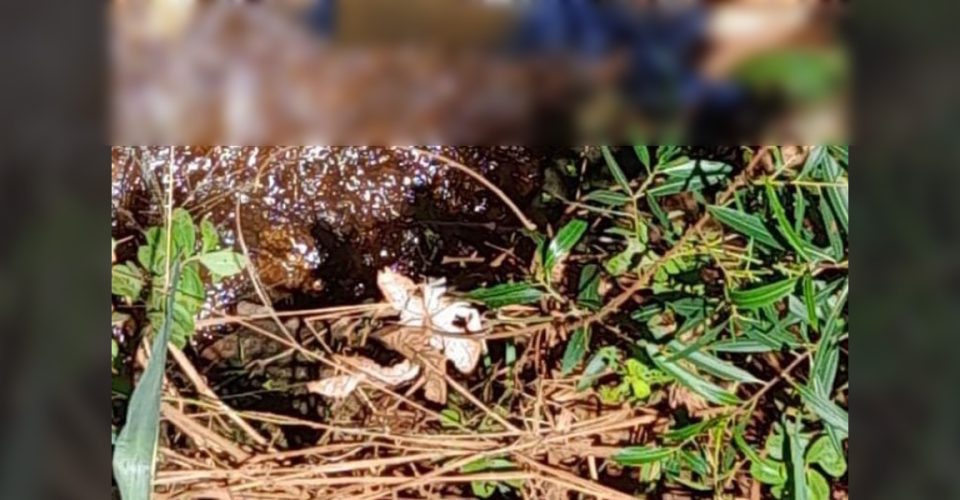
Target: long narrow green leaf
[(798, 478), (644, 156), (763, 295), (576, 349), (746, 224), (566, 238), (588, 289), (507, 294), (786, 229), (712, 392), (715, 366), (838, 196), (134, 456), (810, 300), (615, 170), (639, 455), (825, 409)]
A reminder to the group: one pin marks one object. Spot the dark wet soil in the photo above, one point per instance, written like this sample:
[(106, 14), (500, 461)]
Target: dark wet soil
[(320, 221)]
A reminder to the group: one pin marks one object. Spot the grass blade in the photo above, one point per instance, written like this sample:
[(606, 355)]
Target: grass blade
[(134, 456)]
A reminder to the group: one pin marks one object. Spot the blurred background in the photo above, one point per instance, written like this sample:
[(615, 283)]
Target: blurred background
[(477, 72)]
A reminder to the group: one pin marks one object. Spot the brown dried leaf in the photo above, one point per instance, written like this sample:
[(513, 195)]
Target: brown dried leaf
[(435, 385), (339, 386)]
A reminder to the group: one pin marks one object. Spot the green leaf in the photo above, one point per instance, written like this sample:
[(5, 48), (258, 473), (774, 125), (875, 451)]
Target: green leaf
[(689, 431), (797, 472), (606, 197), (620, 263), (817, 486), (506, 294), (639, 455), (483, 489), (597, 364), (643, 155), (741, 345), (805, 250), (825, 409), (223, 263), (615, 170), (810, 300), (126, 281), (747, 224), (487, 463), (184, 233), (588, 290), (134, 455), (708, 390), (666, 153), (823, 453), (575, 351), (152, 254), (715, 366), (210, 240), (691, 175), (765, 470), (763, 295), (838, 196), (114, 349), (561, 245)]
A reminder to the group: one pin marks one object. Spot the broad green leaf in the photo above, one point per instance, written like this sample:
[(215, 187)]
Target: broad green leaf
[(823, 453), (817, 486), (561, 245), (615, 170), (763, 295), (210, 240), (825, 409), (747, 224), (762, 469), (708, 390), (134, 455), (639, 455), (606, 197), (223, 263), (184, 233), (588, 290), (797, 471), (152, 254), (575, 351), (506, 294), (126, 281)]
